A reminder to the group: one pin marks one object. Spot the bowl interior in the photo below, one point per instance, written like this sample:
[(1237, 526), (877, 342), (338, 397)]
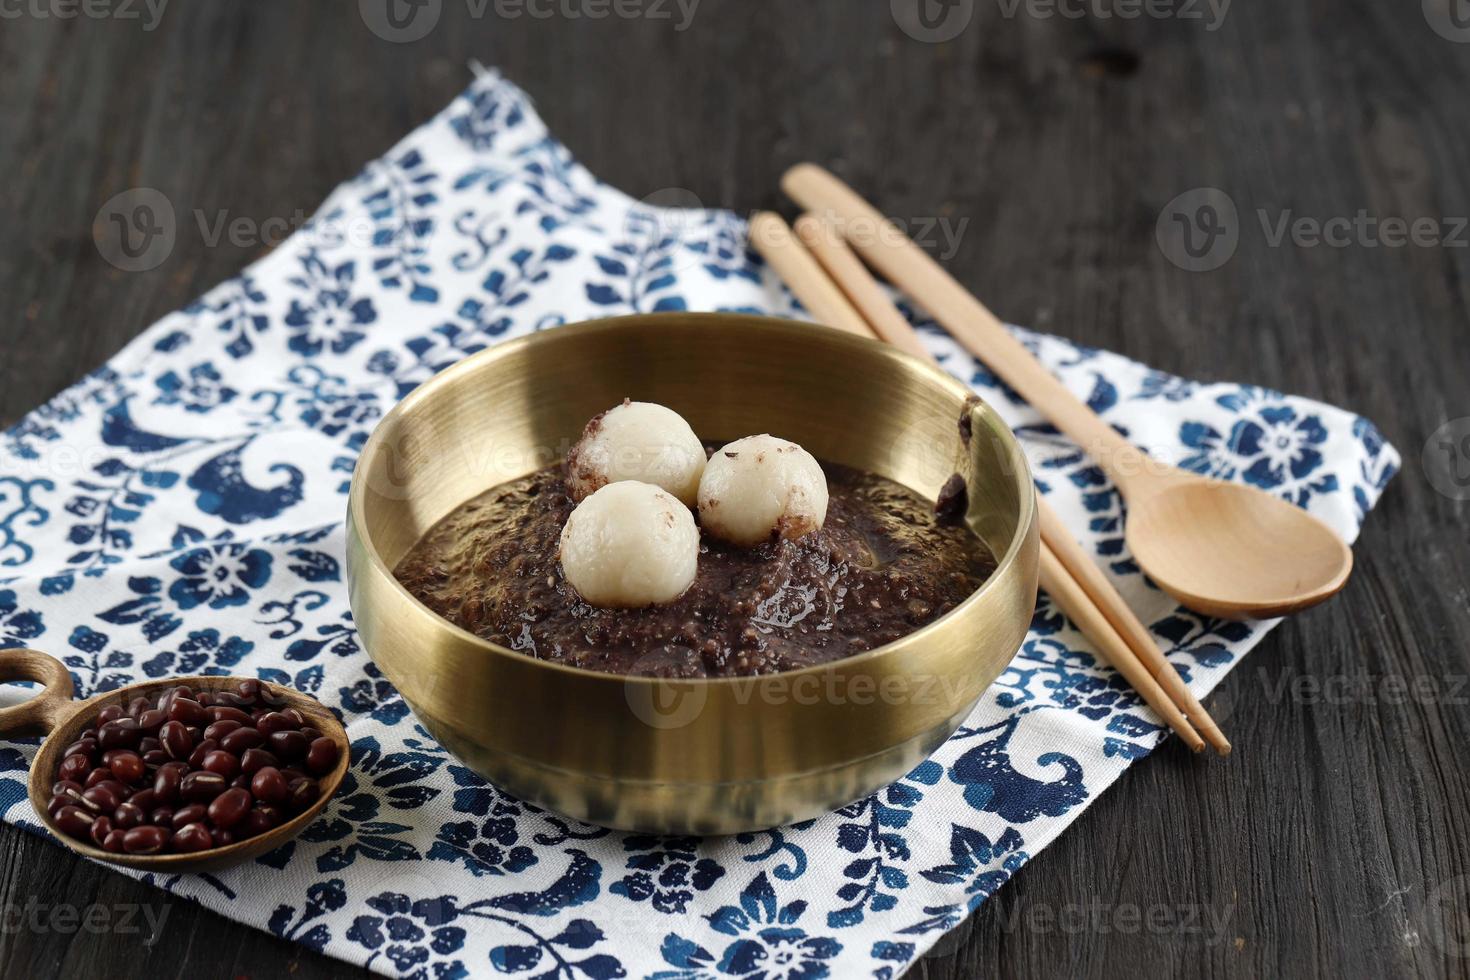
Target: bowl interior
[(520, 406)]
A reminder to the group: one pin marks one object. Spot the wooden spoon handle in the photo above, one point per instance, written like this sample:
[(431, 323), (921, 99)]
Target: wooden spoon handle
[(41, 713), (907, 266)]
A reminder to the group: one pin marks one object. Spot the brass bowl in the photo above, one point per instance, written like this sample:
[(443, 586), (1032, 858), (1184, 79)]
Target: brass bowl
[(709, 756)]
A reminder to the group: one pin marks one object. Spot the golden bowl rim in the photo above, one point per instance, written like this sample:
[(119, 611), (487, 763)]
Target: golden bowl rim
[(356, 499)]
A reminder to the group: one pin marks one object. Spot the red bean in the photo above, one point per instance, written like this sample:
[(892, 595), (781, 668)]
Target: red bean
[(219, 729), (205, 698), (155, 757), (114, 842), (242, 781), (312, 734), (321, 758), (166, 780), (276, 721), (230, 807), (126, 765), (97, 776), (249, 689), (121, 734), (222, 837), (56, 803), (262, 817), (102, 798), (101, 827), (241, 739), (201, 787), (222, 712), (303, 793), (162, 816), (137, 706), (68, 797), (146, 840), (225, 763), (192, 837), (253, 760), (269, 785), (63, 786), (188, 711), (111, 712), (148, 743), (196, 758), (145, 800), (151, 720), (82, 746), (74, 768), (128, 815), (176, 740), (289, 745), (193, 813), (75, 821)]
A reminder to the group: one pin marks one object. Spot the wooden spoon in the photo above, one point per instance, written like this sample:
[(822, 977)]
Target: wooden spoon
[(1223, 549), (53, 711)]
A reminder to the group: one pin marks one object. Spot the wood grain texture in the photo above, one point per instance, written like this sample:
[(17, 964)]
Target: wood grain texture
[(1058, 141)]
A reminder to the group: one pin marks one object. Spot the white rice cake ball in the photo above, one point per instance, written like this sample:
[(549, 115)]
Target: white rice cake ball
[(630, 545), (759, 487), (637, 441)]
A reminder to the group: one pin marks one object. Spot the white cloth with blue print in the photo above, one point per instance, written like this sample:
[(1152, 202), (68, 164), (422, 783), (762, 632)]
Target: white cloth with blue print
[(179, 511)]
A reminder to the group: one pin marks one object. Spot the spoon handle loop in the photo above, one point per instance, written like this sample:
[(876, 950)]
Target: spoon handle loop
[(40, 714)]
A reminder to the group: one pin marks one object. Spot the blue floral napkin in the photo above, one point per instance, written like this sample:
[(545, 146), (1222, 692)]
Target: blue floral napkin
[(179, 511)]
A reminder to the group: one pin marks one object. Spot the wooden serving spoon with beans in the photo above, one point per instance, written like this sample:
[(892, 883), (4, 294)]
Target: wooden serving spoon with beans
[(178, 775)]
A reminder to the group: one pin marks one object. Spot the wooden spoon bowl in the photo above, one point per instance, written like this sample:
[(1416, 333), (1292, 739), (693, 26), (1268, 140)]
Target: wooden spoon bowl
[(1228, 550), (53, 713)]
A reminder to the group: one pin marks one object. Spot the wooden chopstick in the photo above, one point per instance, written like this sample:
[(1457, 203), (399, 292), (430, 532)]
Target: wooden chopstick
[(772, 238), (912, 270), (807, 280), (846, 269)]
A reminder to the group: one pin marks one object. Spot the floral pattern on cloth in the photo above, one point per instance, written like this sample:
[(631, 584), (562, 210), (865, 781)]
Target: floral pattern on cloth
[(179, 510)]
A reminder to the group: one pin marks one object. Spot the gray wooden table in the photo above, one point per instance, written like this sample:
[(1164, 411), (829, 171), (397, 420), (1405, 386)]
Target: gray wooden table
[(1336, 840)]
